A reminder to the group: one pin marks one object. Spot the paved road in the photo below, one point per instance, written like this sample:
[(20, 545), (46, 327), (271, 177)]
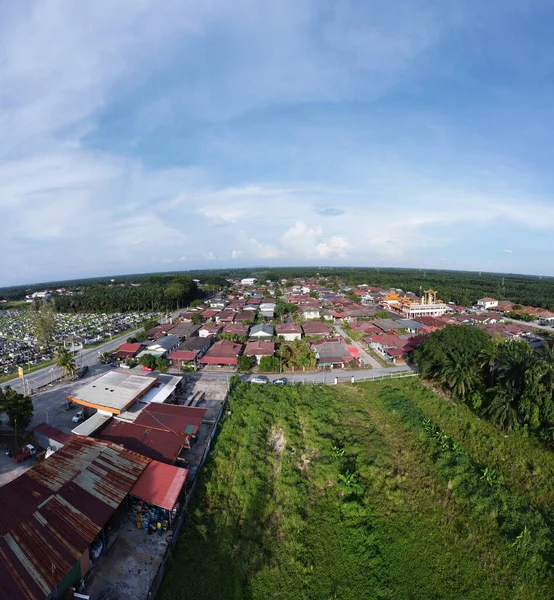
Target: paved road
[(322, 376), (366, 358), (88, 357), (545, 327)]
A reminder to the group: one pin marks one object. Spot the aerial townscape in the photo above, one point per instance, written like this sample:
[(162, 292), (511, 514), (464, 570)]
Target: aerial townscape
[(253, 413), (276, 300)]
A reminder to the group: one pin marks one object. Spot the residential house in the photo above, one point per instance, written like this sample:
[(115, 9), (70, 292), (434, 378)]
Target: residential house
[(390, 347), (243, 315), (259, 348), (210, 329), (236, 329), (191, 351), (159, 331), (311, 312), (331, 354), (209, 314), (222, 353), (410, 325), (217, 303), (184, 330), (225, 316), (487, 303), (289, 331), (267, 309), (316, 329), (262, 332), (127, 351), (161, 348)]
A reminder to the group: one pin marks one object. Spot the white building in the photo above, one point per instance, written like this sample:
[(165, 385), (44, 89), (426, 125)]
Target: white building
[(248, 281), (487, 303), (311, 313)]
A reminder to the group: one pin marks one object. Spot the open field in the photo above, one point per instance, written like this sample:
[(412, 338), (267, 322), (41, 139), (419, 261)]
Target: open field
[(379, 490)]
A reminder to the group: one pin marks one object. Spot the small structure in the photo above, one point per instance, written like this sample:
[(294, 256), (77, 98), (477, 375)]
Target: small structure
[(210, 329), (487, 303), (127, 351), (316, 329), (184, 330), (289, 331), (222, 353), (47, 437), (311, 312), (331, 354), (259, 348), (262, 332)]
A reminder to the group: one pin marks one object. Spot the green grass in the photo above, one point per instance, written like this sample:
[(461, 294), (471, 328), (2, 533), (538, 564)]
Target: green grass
[(352, 492)]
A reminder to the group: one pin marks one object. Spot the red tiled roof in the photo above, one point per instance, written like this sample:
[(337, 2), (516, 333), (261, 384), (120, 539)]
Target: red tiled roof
[(183, 355), (288, 328), (260, 348), (223, 352)]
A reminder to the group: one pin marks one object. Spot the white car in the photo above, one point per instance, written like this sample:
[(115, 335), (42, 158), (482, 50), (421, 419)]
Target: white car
[(260, 379), (78, 417)]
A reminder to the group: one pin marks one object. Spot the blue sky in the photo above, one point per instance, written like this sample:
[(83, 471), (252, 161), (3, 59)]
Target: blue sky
[(146, 136)]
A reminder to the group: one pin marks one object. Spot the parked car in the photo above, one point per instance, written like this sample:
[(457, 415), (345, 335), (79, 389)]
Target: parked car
[(82, 371), (280, 381), (78, 417), (259, 379), (124, 366)]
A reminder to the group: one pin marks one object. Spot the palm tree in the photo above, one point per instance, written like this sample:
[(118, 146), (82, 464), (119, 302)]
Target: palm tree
[(459, 376), (64, 360)]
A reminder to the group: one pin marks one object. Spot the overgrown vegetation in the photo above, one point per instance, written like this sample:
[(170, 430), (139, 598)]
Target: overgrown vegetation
[(356, 492), (510, 383)]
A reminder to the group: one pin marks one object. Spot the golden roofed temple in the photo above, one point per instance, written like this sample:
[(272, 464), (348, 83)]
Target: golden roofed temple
[(426, 306)]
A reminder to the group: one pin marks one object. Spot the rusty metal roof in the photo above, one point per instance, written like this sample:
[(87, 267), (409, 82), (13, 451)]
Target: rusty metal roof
[(53, 512)]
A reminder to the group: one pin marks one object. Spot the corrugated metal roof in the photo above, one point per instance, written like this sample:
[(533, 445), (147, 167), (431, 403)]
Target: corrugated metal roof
[(160, 484), (54, 511)]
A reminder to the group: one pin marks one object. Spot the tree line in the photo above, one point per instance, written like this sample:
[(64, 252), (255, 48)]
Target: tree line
[(508, 382), (156, 293)]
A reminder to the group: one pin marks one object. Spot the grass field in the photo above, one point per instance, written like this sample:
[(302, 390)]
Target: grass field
[(375, 491)]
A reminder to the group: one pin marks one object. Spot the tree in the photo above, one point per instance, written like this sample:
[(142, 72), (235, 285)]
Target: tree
[(269, 364), (150, 324), (149, 361), (197, 302), (141, 336), (65, 361), (197, 318), (18, 407), (453, 357), (45, 324), (131, 340), (244, 362), (162, 365)]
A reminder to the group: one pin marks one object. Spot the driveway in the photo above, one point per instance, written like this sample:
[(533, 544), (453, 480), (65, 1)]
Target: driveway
[(366, 358)]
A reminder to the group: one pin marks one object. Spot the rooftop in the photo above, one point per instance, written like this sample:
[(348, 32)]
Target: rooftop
[(114, 391), (53, 512)]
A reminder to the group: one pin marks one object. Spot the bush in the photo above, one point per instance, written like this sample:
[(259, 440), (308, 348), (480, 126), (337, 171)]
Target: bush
[(269, 364)]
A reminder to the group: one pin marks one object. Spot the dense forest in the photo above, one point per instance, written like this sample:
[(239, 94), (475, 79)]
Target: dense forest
[(461, 287), (155, 293)]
